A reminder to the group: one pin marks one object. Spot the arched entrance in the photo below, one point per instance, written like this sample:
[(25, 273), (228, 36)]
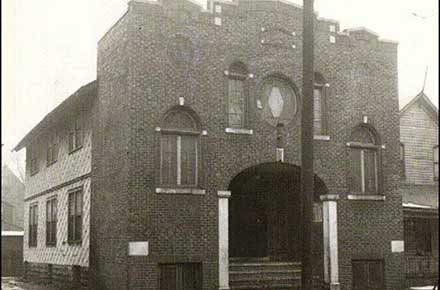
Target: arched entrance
[(265, 212)]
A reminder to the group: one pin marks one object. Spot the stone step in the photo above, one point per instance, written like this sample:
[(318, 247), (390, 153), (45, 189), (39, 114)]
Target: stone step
[(271, 287), (264, 274), (265, 280), (239, 267)]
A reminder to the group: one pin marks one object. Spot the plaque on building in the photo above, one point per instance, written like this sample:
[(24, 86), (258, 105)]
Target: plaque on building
[(138, 248)]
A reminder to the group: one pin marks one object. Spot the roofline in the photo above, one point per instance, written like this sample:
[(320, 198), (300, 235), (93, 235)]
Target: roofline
[(419, 96), (33, 132)]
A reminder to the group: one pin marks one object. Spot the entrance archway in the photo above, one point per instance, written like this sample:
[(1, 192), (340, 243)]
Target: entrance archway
[(265, 212)]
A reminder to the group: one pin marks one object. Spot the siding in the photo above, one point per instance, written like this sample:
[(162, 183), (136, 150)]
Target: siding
[(419, 134)]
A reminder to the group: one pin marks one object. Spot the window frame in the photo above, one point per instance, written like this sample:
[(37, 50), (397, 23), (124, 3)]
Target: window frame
[(33, 225), (366, 264), (322, 87), (402, 161), (51, 222), (234, 74), (76, 135), (179, 134), (52, 150), (435, 162), (33, 164), (72, 237), (180, 270), (369, 147)]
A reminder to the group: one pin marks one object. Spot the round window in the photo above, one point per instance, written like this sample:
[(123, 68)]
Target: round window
[(278, 101)]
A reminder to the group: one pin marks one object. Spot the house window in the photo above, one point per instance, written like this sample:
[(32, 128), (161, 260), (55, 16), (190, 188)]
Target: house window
[(319, 105), (435, 161), (402, 161), (237, 95), (33, 225), (179, 149), (75, 216), (34, 161), (364, 160), (185, 276), (51, 221), (52, 150), (75, 135), (423, 236), (368, 274)]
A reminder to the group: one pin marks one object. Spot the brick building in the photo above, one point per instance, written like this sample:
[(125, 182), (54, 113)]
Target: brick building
[(419, 172), (192, 181)]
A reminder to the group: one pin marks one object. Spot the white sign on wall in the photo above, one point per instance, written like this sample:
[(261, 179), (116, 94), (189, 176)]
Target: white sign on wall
[(138, 248), (397, 246)]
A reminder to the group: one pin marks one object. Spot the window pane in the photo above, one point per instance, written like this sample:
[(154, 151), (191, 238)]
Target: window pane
[(78, 203), (71, 141), (317, 111), (78, 137), (70, 228), (78, 228), (71, 204), (188, 160), (370, 171), (169, 159), (236, 103), (355, 183), (359, 275), (375, 275), (362, 135), (168, 277)]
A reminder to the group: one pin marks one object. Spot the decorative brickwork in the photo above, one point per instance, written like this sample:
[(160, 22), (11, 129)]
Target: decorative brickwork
[(139, 82)]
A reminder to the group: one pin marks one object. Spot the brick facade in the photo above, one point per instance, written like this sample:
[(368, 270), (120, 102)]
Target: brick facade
[(140, 80), (142, 74)]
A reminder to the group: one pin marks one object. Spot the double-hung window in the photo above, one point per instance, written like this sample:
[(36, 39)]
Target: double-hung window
[(51, 221), (33, 155), (75, 135), (52, 150), (179, 149), (33, 225), (237, 76), (368, 274), (75, 213), (319, 105), (364, 161)]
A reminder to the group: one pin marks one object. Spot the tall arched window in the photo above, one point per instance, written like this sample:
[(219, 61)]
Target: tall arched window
[(364, 161), (237, 75), (435, 161), (179, 149), (319, 97)]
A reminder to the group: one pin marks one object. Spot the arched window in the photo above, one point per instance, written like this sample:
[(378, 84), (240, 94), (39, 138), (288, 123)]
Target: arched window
[(179, 149), (237, 75), (319, 97), (364, 161), (402, 161), (435, 161)]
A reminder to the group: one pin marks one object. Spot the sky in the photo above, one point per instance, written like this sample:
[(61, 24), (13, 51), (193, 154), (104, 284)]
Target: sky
[(49, 50)]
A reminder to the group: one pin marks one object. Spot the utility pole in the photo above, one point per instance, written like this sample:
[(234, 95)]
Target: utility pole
[(307, 174)]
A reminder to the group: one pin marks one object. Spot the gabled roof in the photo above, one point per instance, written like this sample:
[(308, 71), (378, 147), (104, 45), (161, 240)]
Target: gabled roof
[(77, 99), (425, 102)]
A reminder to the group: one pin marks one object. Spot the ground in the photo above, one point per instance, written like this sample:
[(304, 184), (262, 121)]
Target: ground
[(19, 284)]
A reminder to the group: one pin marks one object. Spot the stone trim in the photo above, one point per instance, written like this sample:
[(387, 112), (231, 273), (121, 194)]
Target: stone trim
[(321, 137), (239, 131), (374, 197), (329, 197), (194, 191), (224, 194)]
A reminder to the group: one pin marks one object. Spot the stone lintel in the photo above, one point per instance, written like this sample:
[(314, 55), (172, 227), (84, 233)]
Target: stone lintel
[(224, 194), (329, 197)]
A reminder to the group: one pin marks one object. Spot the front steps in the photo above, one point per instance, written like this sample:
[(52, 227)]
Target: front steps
[(261, 273)]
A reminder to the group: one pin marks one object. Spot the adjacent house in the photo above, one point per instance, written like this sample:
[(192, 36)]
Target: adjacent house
[(12, 201), (419, 174)]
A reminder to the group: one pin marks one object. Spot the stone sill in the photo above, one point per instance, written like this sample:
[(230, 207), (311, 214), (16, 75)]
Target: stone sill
[(194, 191), (375, 197), (321, 137), (239, 131)]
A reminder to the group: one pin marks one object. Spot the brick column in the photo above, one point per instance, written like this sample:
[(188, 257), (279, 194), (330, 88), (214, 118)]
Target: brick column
[(330, 224), (223, 239)]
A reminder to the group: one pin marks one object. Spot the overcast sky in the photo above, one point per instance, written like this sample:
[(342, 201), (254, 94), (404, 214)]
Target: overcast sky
[(49, 49)]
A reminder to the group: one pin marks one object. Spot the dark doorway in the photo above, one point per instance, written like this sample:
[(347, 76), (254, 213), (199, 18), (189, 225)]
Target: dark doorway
[(265, 212)]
